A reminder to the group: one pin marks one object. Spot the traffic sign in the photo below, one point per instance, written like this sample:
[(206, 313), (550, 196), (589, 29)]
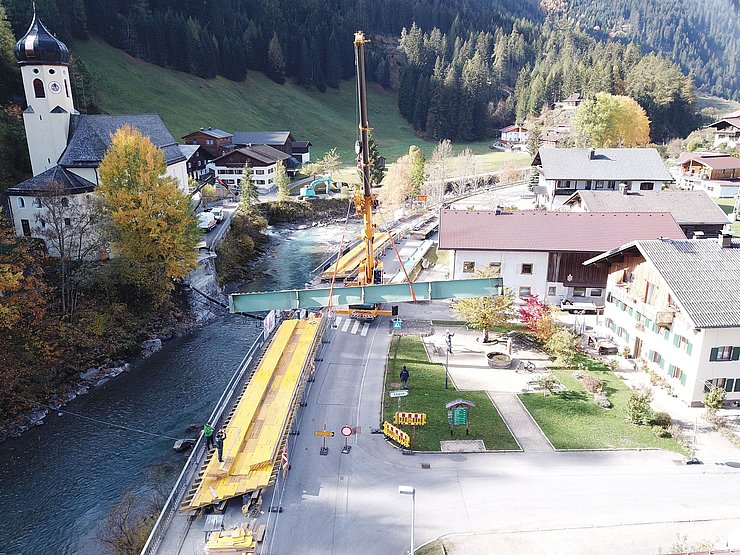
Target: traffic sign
[(397, 323), (323, 433), (398, 393), (346, 431), (422, 198)]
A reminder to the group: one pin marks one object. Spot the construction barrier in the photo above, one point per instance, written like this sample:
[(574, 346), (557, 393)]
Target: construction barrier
[(410, 418), (399, 436)]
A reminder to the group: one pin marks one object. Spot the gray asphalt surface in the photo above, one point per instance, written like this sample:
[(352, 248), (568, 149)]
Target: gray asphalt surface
[(350, 503)]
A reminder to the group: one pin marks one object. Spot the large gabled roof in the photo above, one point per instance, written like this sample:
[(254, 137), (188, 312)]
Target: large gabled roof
[(703, 276), (90, 138), (732, 119), (686, 207), (261, 138), (264, 153), (212, 132), (56, 179), (715, 161), (533, 230), (606, 164)]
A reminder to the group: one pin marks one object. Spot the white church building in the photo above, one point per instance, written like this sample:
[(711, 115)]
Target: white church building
[(66, 147)]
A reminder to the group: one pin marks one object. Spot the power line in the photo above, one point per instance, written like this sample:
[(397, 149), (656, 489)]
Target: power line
[(97, 420)]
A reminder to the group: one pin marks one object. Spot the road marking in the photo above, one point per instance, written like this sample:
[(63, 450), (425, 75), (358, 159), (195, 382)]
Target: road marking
[(365, 328), (337, 321), (347, 322), (356, 326)]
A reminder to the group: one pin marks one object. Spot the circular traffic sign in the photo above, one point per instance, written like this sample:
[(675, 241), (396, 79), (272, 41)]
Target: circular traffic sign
[(346, 431)]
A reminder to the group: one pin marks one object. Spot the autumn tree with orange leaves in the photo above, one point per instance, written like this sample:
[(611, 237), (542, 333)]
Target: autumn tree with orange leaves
[(150, 223)]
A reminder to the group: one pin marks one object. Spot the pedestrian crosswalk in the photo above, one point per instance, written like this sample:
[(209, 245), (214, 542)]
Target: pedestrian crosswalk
[(346, 324)]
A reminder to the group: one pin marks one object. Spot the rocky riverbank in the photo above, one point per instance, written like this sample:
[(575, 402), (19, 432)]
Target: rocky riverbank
[(175, 323)]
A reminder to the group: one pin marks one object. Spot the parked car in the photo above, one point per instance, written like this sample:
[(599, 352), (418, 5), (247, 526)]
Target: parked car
[(218, 213), (206, 221)]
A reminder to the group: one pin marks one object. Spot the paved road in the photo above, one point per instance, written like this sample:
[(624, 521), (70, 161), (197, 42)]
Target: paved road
[(213, 236), (347, 504)]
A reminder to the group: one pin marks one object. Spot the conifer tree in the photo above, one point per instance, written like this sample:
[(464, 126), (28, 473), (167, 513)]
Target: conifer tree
[(283, 182), (416, 170), (377, 169), (275, 61), (249, 193), (333, 62)]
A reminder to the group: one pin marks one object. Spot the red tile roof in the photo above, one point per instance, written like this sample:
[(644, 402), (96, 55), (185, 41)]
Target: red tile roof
[(534, 230)]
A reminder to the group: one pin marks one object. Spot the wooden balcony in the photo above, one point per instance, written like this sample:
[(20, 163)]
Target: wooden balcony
[(664, 318)]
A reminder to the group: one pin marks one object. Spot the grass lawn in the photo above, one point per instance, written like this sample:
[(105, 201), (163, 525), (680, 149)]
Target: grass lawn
[(727, 204), (571, 419), (126, 85), (427, 394), (722, 105), (434, 548)]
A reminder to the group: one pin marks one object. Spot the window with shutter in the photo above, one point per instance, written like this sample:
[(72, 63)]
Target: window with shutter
[(735, 353), (713, 354), (683, 379), (689, 347)]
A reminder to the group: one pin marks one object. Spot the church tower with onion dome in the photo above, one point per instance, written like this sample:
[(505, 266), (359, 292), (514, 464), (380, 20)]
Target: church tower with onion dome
[(44, 62)]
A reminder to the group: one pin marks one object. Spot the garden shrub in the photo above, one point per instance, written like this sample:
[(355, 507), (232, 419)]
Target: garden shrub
[(593, 384), (662, 419), (661, 432), (638, 407)]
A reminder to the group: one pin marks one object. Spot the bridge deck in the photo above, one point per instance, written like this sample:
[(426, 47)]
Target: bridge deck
[(258, 426), (349, 264)]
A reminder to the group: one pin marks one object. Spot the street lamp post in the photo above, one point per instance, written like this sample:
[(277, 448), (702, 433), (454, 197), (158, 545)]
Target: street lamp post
[(409, 490), (447, 360)]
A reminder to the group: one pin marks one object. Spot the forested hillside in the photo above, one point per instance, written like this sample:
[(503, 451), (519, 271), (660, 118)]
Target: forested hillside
[(461, 69), (703, 36)]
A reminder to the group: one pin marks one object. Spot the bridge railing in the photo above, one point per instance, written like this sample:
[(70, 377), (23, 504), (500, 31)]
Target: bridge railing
[(171, 506)]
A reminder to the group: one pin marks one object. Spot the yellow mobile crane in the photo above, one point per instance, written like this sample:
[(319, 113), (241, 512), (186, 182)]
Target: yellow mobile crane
[(371, 271)]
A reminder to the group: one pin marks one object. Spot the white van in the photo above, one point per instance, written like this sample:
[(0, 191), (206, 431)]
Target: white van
[(206, 221), (218, 213)]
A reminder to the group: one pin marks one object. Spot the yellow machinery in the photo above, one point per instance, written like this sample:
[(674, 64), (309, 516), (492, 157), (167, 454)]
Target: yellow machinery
[(351, 263), (259, 424), (371, 273)]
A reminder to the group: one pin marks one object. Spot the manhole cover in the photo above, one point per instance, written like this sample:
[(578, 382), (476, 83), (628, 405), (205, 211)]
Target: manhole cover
[(426, 466)]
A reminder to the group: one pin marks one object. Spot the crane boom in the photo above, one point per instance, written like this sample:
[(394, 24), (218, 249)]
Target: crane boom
[(363, 198)]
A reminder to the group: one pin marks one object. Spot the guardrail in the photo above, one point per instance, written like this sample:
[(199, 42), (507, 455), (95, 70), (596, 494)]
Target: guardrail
[(192, 465)]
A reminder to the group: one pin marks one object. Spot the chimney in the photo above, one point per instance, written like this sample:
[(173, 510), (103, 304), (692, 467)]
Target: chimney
[(725, 240), (591, 153), (624, 188)]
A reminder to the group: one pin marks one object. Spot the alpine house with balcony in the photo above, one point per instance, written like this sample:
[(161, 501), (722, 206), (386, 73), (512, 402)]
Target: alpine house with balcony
[(676, 305)]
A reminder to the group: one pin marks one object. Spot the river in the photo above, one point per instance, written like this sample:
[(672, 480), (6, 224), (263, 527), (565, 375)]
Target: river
[(59, 481)]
